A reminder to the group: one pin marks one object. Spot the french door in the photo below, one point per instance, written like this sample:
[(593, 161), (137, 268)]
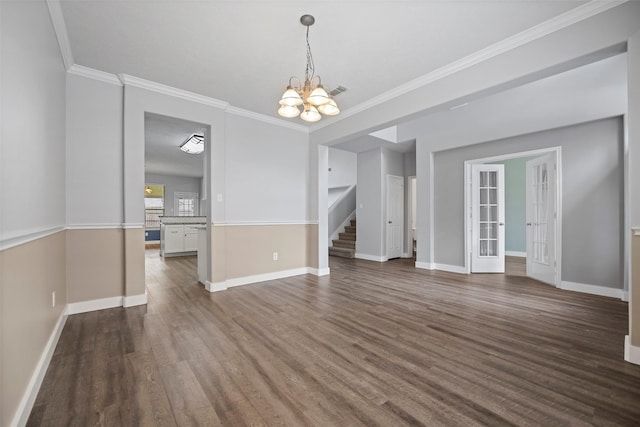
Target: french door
[(487, 213), (541, 219)]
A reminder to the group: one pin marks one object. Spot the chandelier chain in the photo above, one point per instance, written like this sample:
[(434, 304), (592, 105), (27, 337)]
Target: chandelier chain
[(310, 70)]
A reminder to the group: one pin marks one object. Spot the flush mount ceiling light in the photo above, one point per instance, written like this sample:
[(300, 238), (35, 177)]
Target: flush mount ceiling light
[(308, 100), (193, 145)]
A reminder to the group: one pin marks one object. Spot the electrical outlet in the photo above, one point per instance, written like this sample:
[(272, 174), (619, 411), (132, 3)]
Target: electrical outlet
[(53, 299), (275, 256)]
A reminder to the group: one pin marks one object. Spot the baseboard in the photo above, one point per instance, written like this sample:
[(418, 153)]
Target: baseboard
[(516, 253), (625, 296), (247, 280), (215, 287), (367, 257), (424, 265), (406, 255), (93, 305), (631, 352), (318, 271), (450, 268), (28, 399), (592, 289), (133, 300)]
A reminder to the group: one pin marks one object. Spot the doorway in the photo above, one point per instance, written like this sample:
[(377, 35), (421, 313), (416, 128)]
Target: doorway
[(537, 218)]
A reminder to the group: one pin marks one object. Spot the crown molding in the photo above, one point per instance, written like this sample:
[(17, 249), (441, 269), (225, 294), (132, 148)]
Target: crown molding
[(266, 119), (128, 80), (91, 73), (557, 23), (60, 28)]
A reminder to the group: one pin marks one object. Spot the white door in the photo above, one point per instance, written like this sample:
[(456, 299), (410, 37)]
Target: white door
[(395, 215), (487, 216), (541, 219)]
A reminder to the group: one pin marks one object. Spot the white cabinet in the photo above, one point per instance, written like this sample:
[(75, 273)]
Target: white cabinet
[(178, 238), (173, 238), (190, 238)]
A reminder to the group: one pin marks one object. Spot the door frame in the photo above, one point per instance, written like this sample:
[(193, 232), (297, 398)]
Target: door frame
[(467, 202)]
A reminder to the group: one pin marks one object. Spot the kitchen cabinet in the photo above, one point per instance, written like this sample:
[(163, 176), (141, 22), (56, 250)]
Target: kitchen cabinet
[(178, 239)]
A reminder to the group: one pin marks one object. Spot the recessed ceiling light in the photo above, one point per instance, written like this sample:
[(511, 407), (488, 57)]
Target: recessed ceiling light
[(193, 145)]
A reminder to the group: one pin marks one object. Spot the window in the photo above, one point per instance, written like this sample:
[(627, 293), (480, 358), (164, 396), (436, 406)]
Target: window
[(153, 206), (186, 204)]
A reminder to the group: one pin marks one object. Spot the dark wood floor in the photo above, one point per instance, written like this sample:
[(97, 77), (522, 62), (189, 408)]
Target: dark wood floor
[(373, 344)]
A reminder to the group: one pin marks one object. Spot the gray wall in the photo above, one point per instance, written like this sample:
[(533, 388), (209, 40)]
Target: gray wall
[(343, 165), (369, 203), (592, 190), (174, 184)]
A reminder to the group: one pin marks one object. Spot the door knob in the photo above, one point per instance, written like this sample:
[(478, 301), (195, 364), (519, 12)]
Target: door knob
[(501, 224), (528, 224), (389, 222)]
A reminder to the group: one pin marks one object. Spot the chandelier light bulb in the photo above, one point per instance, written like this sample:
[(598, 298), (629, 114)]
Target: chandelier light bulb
[(289, 111), (318, 96), (330, 108), (290, 97), (310, 114)]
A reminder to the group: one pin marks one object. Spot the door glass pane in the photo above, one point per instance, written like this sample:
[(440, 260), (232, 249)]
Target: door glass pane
[(493, 179), (492, 249), (483, 179), (484, 196), (541, 216), (493, 196)]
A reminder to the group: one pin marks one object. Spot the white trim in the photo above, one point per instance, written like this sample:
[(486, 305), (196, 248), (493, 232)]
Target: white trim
[(60, 28), (215, 287), (236, 111), (29, 236), (636, 231), (29, 397), (134, 300), (171, 91), (104, 226), (247, 280), (529, 35), (450, 268), (93, 305), (406, 255), (592, 289), (516, 253), (131, 225), (94, 74), (367, 257), (319, 271), (631, 352), (424, 265), (243, 223), (625, 296)]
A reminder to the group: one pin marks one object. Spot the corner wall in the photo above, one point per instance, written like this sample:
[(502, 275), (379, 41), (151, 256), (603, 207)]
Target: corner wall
[(32, 201)]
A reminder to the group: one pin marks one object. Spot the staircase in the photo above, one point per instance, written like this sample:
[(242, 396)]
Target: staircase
[(345, 246)]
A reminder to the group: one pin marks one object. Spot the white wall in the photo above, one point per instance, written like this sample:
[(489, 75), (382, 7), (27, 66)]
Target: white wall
[(267, 172), (94, 152), (173, 184), (344, 168), (32, 156)]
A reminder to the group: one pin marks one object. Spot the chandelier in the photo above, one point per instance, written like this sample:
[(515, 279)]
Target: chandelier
[(308, 100)]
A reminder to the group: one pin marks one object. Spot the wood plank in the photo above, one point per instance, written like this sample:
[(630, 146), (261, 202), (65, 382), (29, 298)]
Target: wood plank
[(372, 344)]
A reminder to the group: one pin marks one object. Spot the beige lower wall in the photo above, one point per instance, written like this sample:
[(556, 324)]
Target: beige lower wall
[(218, 254), (95, 264), (29, 274), (312, 245), (134, 283), (634, 301), (249, 248)]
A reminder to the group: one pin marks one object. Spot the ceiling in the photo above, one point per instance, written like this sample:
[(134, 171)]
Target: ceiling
[(243, 52), (162, 155)]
